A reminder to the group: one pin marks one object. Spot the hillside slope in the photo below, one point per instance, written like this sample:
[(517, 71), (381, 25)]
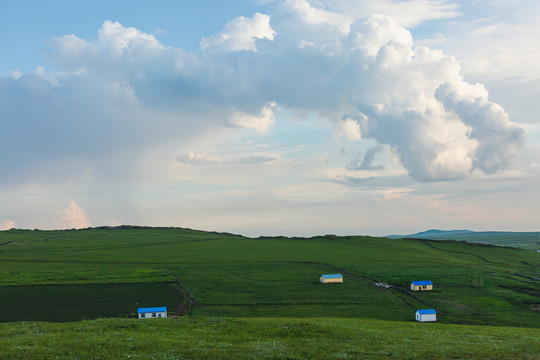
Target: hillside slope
[(84, 274)]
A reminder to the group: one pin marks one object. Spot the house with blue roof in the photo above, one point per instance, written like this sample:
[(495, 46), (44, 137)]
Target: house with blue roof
[(426, 315), (331, 278), (152, 312), (421, 285)]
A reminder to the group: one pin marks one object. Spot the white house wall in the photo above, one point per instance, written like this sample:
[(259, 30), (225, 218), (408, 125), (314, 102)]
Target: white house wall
[(428, 317), (149, 315)]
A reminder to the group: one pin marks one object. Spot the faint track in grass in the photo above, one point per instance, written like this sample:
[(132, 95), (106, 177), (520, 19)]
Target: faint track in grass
[(85, 262), (116, 247), (284, 303), (424, 241), (187, 299)]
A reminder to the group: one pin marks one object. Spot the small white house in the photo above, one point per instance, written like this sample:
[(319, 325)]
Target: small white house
[(426, 315), (152, 312), (331, 278)]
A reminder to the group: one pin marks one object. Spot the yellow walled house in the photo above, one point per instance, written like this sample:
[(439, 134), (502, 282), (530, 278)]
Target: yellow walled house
[(422, 285), (331, 278)]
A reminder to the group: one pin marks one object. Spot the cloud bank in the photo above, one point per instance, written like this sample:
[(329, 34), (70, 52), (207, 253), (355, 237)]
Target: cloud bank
[(116, 96)]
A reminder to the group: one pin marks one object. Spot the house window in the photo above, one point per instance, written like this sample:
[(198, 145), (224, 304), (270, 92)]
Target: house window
[(153, 314), (159, 315), (142, 315), (424, 286)]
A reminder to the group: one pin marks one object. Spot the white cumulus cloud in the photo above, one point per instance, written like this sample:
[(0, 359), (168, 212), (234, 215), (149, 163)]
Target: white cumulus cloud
[(241, 34), (74, 217), (109, 100), (349, 129), (6, 225)]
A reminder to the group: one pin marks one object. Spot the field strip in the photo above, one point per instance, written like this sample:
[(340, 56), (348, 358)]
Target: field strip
[(284, 303), (116, 247), (400, 295), (86, 262), (397, 291)]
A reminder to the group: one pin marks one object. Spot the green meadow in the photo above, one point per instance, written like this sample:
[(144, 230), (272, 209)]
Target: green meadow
[(232, 288), (263, 338)]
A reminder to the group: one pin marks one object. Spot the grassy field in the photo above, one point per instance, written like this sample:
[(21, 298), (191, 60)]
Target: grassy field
[(260, 298), (86, 274), (263, 338)]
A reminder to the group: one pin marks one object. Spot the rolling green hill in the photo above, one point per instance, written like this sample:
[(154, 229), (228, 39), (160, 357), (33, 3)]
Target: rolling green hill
[(102, 272)]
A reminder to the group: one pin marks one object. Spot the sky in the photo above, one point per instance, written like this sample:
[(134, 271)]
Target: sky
[(271, 117)]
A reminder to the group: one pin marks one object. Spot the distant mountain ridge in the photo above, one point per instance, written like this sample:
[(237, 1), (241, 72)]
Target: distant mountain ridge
[(430, 232), (522, 240)]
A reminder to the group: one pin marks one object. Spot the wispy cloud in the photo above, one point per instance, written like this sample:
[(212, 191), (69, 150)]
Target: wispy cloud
[(195, 158), (367, 161)]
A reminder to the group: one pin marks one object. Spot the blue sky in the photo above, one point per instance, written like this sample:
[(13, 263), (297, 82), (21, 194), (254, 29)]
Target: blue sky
[(291, 117)]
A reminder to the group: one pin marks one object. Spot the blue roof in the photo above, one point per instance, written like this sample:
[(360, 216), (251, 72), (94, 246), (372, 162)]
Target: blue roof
[(426, 311), (152, 309), (422, 282), (331, 276)]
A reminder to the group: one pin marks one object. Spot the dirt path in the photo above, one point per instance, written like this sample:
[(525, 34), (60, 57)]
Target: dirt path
[(186, 298)]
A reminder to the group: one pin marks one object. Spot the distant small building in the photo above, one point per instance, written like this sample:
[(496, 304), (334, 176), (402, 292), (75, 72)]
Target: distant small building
[(426, 315), (331, 278), (422, 285), (152, 312)]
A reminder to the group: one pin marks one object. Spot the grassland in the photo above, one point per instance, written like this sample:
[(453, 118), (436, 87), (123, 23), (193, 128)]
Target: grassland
[(263, 338), (107, 272), (252, 287)]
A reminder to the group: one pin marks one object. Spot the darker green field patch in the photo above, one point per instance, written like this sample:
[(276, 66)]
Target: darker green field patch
[(78, 302)]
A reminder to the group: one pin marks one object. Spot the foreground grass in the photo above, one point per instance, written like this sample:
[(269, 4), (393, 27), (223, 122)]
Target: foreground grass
[(263, 338)]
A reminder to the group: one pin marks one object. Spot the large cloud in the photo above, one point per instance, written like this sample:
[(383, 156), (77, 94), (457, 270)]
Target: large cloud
[(125, 92)]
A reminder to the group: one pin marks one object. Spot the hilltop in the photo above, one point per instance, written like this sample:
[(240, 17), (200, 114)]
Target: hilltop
[(431, 233)]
